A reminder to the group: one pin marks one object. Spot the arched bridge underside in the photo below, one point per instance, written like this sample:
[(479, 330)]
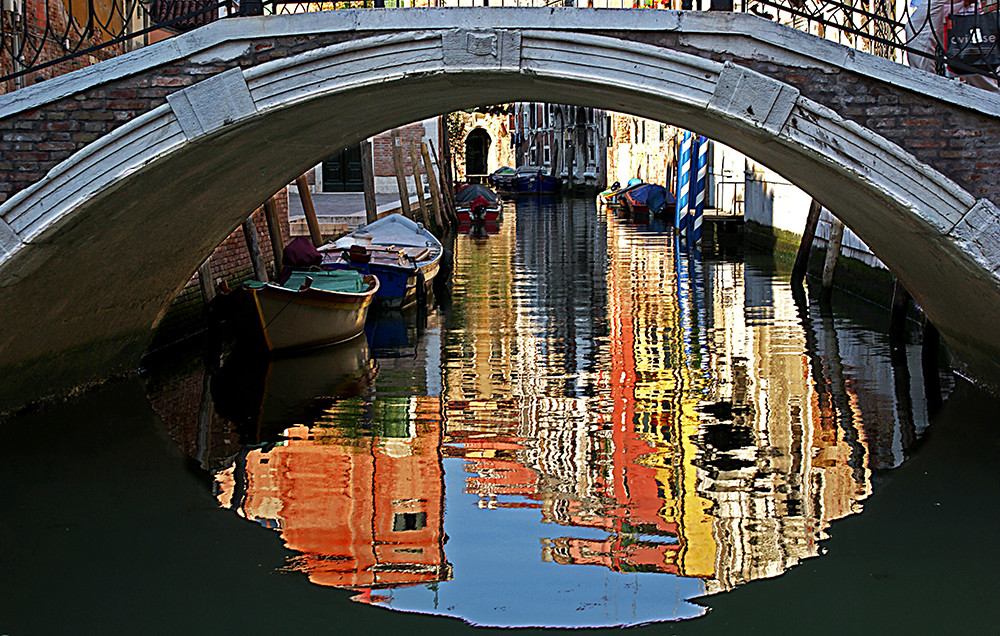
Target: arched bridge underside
[(199, 130)]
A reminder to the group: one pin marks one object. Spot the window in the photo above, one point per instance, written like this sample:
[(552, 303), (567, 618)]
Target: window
[(405, 521), (546, 155)]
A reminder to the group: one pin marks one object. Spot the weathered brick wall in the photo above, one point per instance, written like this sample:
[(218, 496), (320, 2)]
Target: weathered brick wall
[(382, 150), (230, 262), (961, 144)]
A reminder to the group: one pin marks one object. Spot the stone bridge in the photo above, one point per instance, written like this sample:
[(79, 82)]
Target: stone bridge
[(119, 179)]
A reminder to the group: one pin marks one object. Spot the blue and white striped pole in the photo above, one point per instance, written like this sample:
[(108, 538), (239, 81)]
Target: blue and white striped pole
[(700, 170), (683, 183)]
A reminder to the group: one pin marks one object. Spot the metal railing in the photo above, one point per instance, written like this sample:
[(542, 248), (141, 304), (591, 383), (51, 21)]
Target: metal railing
[(37, 35)]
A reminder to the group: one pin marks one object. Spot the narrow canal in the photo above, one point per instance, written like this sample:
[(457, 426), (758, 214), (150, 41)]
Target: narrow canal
[(593, 427)]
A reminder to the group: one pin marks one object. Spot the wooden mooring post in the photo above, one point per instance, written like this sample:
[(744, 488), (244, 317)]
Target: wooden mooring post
[(832, 254), (274, 230), (397, 164), (205, 281), (310, 211), (418, 184), (368, 181), (446, 190), (805, 247), (432, 182), (253, 247)]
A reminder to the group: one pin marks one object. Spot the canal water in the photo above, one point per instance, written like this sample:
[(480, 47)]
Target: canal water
[(593, 426)]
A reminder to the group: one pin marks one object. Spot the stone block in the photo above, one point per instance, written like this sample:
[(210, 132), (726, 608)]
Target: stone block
[(978, 234), (212, 103), (749, 95)]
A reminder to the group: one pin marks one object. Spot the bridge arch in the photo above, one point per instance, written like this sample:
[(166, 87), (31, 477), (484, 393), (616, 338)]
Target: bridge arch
[(143, 205)]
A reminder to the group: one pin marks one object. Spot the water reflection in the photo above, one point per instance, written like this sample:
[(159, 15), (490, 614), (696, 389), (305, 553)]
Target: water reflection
[(597, 395)]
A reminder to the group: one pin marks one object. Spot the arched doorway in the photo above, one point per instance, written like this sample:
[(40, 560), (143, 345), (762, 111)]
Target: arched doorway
[(477, 153)]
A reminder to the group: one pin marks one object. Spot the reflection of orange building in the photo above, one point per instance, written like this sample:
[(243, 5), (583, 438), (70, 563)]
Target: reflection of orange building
[(363, 512)]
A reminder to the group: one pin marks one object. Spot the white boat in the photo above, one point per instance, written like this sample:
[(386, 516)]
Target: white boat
[(400, 235), (311, 309)]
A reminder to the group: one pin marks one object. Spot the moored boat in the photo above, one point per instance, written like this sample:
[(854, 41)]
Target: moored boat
[(476, 203), (502, 179), (614, 197), (402, 253), (311, 309), (532, 179), (645, 200)]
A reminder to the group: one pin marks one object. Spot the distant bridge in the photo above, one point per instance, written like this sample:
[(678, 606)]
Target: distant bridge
[(119, 179)]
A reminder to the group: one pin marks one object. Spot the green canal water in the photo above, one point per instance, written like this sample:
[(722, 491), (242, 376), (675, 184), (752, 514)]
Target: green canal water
[(593, 427)]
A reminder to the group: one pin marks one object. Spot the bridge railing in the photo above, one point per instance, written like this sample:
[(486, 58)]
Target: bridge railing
[(42, 38)]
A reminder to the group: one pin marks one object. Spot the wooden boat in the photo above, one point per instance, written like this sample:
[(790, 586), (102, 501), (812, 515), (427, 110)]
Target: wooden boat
[(532, 179), (396, 273), (502, 179), (402, 253), (476, 203), (614, 197), (643, 201), (311, 309)]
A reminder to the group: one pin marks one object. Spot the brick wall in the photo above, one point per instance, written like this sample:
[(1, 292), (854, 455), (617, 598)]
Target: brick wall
[(229, 262), (382, 150), (961, 144)]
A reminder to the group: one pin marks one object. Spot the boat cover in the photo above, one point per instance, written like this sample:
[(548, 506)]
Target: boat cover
[(339, 280), (653, 196), (473, 190)]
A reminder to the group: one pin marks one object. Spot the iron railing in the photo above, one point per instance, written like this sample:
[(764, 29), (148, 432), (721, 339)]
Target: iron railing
[(37, 35)]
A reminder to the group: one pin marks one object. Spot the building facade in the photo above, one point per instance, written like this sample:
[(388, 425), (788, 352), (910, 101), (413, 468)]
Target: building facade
[(569, 142)]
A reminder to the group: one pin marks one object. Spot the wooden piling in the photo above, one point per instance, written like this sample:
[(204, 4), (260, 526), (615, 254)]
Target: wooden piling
[(447, 191), (418, 184), (432, 182), (397, 164), (368, 181), (274, 229), (805, 247), (253, 247), (832, 254), (310, 211)]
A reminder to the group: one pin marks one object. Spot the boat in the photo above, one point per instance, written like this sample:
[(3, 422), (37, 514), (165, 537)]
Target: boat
[(609, 197), (614, 197), (532, 179), (402, 253), (476, 203), (645, 200), (310, 308), (502, 179)]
